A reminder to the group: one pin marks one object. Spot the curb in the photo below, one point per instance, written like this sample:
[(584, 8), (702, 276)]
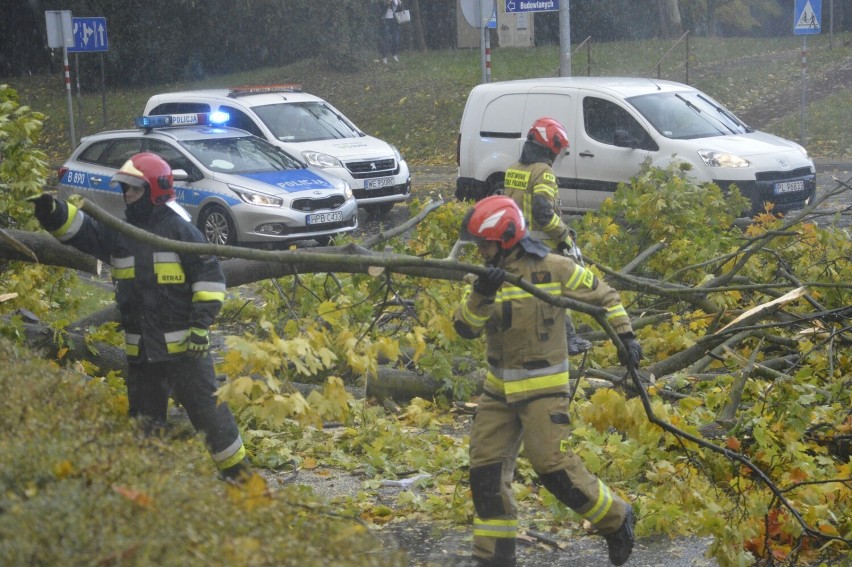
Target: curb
[(832, 165)]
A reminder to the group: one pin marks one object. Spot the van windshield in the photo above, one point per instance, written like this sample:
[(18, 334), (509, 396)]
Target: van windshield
[(688, 115), (305, 122)]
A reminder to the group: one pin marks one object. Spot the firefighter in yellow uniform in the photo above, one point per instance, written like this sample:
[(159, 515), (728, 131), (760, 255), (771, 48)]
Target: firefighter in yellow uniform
[(531, 183), (525, 398), (167, 301)]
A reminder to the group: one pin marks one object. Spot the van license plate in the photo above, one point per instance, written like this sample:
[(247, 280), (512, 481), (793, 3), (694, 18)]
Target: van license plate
[(789, 187), (322, 218), (378, 182)]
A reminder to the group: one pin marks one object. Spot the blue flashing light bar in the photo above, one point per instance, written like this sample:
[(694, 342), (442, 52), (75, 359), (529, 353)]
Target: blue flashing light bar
[(166, 120), (218, 117)]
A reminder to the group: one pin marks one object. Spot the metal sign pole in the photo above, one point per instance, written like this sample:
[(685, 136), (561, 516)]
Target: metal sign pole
[(804, 89), (103, 90), (79, 98), (482, 66), (565, 39), (482, 31), (486, 35), (807, 16), (68, 93)]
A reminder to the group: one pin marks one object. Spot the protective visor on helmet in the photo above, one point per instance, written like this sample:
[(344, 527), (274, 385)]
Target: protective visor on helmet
[(128, 174)]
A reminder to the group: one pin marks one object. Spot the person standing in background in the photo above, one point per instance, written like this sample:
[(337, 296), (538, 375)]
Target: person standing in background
[(389, 41)]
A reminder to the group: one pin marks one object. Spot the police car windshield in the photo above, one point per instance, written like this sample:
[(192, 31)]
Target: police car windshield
[(305, 122), (240, 155), (687, 115)]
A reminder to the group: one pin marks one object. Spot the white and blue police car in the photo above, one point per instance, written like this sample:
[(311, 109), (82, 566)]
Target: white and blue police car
[(309, 127), (237, 188)]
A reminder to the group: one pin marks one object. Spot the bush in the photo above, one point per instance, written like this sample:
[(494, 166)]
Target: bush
[(79, 487)]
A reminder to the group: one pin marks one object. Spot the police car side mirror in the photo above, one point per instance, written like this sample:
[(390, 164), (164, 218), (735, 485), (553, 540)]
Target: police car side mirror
[(180, 175)]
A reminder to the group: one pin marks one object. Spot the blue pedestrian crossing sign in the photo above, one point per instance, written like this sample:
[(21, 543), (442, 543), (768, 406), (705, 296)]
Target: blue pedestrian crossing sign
[(807, 17), (90, 34)]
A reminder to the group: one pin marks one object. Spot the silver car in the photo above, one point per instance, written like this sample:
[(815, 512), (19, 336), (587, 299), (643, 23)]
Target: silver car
[(238, 189), (309, 127)]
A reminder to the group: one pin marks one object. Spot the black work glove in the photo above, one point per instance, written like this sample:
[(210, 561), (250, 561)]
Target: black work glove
[(488, 283), (198, 343), (49, 212), (633, 354)]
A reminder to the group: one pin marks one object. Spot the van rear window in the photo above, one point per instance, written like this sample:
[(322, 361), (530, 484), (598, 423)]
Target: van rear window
[(502, 118)]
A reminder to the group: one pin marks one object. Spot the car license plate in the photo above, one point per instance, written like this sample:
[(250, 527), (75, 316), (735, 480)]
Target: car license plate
[(378, 182), (322, 218), (789, 187)]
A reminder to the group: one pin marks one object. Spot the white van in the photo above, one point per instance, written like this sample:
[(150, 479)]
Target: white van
[(309, 128), (613, 125)]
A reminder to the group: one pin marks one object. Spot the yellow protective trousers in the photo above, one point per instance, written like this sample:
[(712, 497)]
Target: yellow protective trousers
[(542, 426)]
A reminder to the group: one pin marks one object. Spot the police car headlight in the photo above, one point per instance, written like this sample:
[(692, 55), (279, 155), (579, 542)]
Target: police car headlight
[(396, 153), (319, 159), (712, 158), (254, 198), (347, 192)]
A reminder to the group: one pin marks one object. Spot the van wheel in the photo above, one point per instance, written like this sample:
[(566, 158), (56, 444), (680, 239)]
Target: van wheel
[(495, 184), (217, 226)]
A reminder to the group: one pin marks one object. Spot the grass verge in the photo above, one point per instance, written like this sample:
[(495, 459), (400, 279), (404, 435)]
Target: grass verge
[(417, 104)]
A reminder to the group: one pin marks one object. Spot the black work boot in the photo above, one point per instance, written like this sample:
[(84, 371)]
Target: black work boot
[(620, 542), (237, 474)]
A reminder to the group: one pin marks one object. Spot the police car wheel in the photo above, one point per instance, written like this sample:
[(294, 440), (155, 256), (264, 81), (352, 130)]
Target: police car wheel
[(217, 226)]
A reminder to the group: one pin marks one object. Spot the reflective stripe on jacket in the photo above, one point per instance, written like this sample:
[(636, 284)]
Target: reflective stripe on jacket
[(527, 349), (526, 183), (160, 294)]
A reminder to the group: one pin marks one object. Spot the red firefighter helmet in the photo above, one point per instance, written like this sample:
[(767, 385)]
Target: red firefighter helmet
[(151, 169), (549, 133), (496, 218)]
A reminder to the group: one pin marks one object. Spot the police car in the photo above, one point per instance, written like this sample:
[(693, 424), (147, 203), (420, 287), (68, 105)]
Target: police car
[(308, 127), (238, 189)]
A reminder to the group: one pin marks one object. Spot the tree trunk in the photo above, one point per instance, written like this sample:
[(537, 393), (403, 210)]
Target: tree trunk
[(670, 22), (417, 26)]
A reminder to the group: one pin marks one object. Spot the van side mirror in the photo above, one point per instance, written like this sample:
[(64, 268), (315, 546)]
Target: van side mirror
[(622, 139)]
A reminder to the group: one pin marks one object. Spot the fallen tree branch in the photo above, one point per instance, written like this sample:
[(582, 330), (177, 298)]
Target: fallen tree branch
[(732, 455)]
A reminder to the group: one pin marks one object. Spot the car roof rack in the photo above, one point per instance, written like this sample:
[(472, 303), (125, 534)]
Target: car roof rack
[(263, 89)]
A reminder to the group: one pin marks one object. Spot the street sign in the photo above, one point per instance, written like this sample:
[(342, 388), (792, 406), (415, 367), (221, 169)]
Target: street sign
[(58, 24), (90, 35), (478, 13), (515, 6), (808, 15)]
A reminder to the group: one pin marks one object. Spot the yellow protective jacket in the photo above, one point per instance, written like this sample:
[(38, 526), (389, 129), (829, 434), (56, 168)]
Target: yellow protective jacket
[(533, 187), (526, 345)]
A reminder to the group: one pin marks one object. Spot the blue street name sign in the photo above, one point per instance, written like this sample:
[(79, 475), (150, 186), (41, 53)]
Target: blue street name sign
[(515, 6), (90, 34), (807, 17)]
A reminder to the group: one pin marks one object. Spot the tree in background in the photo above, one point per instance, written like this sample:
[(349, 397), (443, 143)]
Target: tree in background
[(172, 40)]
